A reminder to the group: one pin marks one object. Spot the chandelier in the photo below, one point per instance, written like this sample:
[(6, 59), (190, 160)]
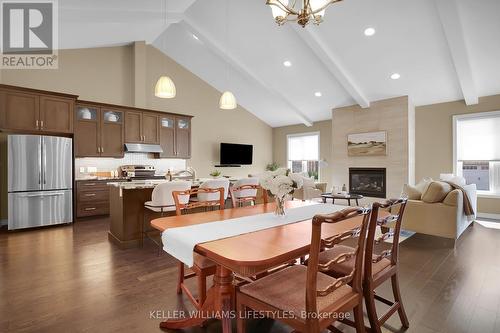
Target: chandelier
[(311, 10)]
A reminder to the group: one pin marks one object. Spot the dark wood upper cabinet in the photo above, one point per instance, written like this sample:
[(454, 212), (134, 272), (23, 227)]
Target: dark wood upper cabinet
[(167, 136), (112, 133), (99, 131), (87, 131), (133, 127), (150, 130), (30, 110), (20, 111), (183, 137), (56, 114)]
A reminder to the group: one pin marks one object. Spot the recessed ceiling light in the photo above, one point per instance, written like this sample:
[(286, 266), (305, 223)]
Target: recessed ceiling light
[(369, 31), (195, 37), (287, 63), (395, 76), (318, 94)]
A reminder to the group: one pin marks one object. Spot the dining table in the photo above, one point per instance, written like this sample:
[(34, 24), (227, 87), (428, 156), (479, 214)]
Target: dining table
[(246, 254)]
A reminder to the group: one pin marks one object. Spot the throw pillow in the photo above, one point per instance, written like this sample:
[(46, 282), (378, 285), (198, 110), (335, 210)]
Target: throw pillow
[(423, 185), (436, 192), (411, 192)]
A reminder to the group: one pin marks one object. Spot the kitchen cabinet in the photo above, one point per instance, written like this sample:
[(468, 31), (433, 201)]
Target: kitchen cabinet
[(133, 127), (150, 130), (142, 127), (92, 198), (175, 136), (20, 111), (35, 111), (56, 114), (112, 133), (183, 137), (167, 136), (99, 131)]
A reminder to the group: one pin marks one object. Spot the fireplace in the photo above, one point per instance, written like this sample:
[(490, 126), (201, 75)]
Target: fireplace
[(369, 182)]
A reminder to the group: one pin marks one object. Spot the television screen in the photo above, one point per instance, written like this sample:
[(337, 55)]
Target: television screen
[(231, 153)]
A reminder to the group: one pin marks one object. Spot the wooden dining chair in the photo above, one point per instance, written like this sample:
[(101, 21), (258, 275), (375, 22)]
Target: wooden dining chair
[(203, 267), (378, 268), (246, 191), (315, 299)]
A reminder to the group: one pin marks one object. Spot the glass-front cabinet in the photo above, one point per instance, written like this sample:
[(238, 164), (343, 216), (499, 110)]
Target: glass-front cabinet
[(98, 131)]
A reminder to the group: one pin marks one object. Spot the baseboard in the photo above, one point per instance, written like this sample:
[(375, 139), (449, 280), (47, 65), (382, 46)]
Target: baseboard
[(488, 216)]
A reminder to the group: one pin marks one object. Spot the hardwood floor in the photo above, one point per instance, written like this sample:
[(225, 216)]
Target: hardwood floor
[(71, 279)]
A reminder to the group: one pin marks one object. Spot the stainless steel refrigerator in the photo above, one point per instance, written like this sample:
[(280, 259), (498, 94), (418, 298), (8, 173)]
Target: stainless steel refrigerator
[(39, 181)]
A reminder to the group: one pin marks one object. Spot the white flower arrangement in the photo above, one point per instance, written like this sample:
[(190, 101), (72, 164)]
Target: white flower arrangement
[(281, 182)]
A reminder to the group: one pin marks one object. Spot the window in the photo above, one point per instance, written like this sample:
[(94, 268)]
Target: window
[(477, 150), (303, 153)]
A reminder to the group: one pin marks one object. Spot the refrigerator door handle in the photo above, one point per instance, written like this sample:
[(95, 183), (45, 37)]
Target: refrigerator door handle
[(53, 194), (44, 162)]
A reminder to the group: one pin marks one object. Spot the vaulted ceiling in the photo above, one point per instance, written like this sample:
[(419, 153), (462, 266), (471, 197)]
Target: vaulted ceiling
[(444, 50)]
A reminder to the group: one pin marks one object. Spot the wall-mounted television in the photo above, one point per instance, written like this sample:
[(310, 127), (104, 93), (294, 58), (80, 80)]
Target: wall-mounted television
[(235, 154)]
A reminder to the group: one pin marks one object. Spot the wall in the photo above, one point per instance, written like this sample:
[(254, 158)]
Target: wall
[(325, 150), (126, 75), (434, 140), (392, 115), (3, 177)]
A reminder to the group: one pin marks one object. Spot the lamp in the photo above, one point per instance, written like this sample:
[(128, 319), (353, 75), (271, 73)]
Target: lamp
[(165, 88), (227, 101)]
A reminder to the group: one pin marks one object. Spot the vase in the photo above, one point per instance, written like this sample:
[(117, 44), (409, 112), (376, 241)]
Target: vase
[(280, 207)]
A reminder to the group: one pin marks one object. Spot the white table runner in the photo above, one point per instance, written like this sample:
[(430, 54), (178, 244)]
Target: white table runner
[(180, 242)]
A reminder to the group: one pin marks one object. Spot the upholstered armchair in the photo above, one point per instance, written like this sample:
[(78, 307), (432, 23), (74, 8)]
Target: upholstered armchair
[(308, 191)]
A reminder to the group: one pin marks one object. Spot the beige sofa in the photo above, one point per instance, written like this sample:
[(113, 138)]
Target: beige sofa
[(443, 219)]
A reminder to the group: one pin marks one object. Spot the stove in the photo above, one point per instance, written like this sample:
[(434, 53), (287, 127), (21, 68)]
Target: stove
[(139, 172)]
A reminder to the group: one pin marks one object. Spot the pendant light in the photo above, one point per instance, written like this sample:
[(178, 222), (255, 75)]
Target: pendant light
[(227, 100), (165, 87)]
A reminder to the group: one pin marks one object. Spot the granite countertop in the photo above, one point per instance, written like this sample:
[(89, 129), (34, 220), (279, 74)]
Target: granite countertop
[(116, 179), (142, 184)]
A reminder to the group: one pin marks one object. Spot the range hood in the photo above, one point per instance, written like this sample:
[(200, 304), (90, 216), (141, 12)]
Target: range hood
[(142, 148)]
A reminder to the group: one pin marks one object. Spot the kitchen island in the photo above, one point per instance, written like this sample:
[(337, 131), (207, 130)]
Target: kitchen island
[(126, 211)]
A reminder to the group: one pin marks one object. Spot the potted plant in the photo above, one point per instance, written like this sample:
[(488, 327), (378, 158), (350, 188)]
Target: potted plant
[(215, 174), (272, 166)]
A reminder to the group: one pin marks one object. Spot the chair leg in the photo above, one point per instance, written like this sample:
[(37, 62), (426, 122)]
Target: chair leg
[(202, 288), (240, 317), (359, 321), (369, 295), (180, 279), (397, 298)]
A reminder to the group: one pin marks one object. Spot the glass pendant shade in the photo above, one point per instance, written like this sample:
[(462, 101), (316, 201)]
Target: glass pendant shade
[(165, 88), (278, 12), (227, 101)]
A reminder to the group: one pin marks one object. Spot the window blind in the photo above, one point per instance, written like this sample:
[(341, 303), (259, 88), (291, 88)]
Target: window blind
[(303, 148), (478, 139)]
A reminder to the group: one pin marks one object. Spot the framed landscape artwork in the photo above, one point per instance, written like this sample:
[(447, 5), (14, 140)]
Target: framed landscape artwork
[(367, 144)]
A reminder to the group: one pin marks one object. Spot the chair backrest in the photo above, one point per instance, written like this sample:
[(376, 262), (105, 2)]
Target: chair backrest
[(180, 206), (162, 193), (396, 208), (317, 243), (245, 190), (214, 183)]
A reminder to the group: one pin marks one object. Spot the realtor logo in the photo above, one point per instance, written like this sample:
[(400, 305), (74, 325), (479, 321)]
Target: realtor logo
[(29, 34)]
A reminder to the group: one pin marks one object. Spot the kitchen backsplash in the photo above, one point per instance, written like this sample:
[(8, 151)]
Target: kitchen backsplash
[(111, 164)]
